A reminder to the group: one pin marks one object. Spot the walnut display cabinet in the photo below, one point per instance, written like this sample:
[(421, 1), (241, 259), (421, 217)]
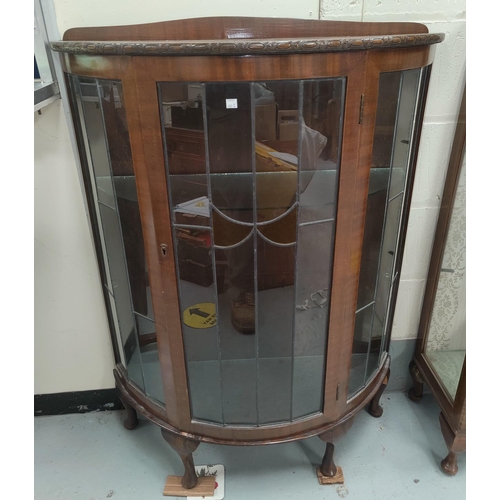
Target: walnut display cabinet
[(440, 352), (248, 183)]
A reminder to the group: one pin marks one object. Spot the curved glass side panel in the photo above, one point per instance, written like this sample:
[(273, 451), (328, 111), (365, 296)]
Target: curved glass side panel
[(252, 172), (394, 131), (104, 135)]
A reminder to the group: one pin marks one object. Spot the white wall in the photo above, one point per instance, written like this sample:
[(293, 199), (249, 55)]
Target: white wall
[(72, 347), (443, 103), (72, 344), (79, 13)]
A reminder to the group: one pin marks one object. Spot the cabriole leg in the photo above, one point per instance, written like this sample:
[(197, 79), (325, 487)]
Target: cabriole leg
[(455, 444), (328, 467), (416, 392), (328, 472), (131, 421), (374, 409), (449, 464), (184, 448)]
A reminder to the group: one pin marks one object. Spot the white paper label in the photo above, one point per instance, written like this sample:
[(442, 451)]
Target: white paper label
[(231, 103), (212, 470)]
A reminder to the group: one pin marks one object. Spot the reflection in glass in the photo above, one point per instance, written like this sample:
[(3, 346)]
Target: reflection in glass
[(372, 239), (239, 376), (121, 292), (318, 195), (322, 131), (313, 290), (258, 259), (362, 330), (394, 125), (320, 148), (232, 197), (276, 307), (446, 341), (99, 105), (120, 157), (189, 199), (194, 256), (386, 262), (230, 146), (403, 132), (204, 378), (182, 119), (149, 358), (238, 339), (197, 295), (96, 137), (282, 231), (276, 111)]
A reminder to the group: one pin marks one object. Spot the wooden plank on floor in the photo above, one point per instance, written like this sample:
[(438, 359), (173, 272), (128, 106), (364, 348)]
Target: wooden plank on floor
[(204, 488), (337, 479)]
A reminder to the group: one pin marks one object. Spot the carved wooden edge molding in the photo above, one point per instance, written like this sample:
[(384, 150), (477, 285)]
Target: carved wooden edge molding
[(247, 46)]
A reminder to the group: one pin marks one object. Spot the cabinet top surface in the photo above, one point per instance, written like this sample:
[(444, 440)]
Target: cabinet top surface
[(243, 36)]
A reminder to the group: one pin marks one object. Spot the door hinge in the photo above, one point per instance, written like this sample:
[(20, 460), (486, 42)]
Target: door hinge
[(361, 108)]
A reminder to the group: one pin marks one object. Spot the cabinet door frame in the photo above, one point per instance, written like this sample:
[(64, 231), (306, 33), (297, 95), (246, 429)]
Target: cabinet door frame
[(267, 68)]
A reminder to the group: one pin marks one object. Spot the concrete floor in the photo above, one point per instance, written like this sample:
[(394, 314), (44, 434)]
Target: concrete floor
[(91, 456)]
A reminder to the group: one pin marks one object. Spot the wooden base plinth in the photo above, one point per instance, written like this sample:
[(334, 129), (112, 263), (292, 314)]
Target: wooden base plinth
[(204, 488), (337, 479)]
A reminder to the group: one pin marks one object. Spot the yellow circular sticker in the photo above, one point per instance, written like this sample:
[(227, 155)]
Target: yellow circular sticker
[(200, 315)]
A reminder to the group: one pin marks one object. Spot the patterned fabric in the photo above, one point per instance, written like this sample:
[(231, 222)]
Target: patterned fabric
[(448, 367), (447, 327)]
